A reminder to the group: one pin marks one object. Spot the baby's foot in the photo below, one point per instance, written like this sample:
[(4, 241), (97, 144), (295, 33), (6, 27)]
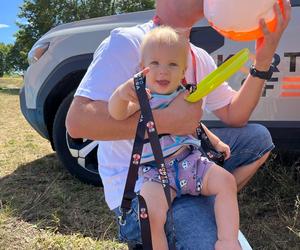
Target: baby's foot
[(227, 245)]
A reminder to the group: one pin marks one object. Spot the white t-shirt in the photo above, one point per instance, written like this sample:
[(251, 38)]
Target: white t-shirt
[(115, 61)]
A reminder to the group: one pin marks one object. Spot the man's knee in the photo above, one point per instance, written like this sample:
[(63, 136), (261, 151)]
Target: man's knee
[(256, 139), (250, 144), (259, 162), (256, 132)]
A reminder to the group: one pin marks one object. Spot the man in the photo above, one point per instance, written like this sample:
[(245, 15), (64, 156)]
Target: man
[(117, 60)]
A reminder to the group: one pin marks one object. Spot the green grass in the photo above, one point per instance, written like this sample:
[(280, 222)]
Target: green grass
[(43, 207)]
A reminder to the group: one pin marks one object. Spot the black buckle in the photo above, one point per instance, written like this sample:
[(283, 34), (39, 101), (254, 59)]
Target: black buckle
[(126, 209)]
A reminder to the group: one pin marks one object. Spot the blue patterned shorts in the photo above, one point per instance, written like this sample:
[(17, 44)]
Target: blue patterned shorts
[(185, 171)]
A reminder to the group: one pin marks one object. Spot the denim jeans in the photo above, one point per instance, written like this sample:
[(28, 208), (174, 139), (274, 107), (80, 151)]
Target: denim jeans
[(194, 218)]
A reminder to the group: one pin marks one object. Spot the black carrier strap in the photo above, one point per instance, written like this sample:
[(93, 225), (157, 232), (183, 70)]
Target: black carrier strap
[(132, 175), (145, 224), (146, 122)]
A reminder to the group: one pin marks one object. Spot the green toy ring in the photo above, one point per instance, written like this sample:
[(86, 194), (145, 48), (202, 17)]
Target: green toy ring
[(219, 75)]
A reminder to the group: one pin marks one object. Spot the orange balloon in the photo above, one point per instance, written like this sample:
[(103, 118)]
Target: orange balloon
[(248, 35)]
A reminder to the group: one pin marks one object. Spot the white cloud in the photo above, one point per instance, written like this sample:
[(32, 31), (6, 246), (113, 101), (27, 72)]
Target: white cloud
[(3, 25)]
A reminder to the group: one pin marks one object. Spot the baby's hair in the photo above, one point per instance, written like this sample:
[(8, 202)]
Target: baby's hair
[(164, 35)]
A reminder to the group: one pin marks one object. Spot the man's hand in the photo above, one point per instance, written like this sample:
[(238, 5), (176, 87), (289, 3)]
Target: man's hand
[(238, 112), (266, 46), (181, 117)]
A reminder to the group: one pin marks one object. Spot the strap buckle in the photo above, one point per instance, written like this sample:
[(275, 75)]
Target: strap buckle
[(122, 217)]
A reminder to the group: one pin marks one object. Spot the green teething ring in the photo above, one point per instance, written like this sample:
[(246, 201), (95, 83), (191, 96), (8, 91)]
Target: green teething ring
[(219, 75)]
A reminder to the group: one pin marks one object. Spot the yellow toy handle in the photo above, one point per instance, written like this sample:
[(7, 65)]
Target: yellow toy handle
[(219, 75)]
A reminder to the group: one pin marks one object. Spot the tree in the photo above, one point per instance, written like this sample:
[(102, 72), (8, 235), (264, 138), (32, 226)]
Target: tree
[(4, 65), (1, 63), (123, 6)]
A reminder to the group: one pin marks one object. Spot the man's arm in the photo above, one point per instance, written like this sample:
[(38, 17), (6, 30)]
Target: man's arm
[(90, 119), (238, 112)]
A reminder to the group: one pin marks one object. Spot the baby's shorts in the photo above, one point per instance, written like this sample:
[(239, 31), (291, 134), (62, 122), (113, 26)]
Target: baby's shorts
[(185, 170)]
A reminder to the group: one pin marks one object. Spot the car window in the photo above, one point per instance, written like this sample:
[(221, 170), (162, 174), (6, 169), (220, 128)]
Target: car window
[(206, 38), (295, 2)]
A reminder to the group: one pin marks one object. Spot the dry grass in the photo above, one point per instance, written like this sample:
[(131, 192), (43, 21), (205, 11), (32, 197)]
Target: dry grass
[(43, 207), (270, 205)]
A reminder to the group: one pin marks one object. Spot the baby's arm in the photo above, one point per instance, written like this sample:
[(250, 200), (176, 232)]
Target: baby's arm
[(211, 136), (217, 143), (123, 102)]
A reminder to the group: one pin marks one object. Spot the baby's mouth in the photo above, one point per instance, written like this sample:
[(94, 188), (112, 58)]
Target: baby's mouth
[(162, 82)]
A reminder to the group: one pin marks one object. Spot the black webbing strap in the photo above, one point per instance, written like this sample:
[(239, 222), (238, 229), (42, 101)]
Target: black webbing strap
[(132, 175), (146, 112), (145, 224), (146, 122)]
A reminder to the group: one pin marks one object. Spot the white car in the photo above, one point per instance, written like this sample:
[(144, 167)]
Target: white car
[(61, 57)]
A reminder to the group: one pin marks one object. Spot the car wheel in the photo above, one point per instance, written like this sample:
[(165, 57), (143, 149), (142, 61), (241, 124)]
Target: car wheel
[(79, 156)]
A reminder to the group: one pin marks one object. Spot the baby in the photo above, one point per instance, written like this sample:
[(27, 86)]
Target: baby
[(164, 55)]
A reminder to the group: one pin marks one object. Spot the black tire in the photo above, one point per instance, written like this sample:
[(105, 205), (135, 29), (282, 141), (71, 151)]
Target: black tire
[(88, 173)]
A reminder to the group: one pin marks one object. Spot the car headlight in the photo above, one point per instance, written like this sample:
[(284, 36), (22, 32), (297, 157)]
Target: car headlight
[(37, 51)]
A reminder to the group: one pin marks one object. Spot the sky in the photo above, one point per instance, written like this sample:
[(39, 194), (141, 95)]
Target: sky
[(9, 10)]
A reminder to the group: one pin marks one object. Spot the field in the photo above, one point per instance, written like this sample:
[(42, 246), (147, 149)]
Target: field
[(43, 207)]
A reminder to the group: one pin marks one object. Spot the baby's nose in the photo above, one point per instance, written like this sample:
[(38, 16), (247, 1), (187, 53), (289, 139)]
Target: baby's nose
[(163, 68)]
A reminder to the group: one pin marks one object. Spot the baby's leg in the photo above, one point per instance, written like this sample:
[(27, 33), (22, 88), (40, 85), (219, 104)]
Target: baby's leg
[(219, 182), (157, 205)]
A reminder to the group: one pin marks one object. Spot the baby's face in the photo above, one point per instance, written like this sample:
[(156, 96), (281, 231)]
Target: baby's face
[(167, 67)]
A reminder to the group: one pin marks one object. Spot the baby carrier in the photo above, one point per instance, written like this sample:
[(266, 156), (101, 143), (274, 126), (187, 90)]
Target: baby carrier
[(146, 122)]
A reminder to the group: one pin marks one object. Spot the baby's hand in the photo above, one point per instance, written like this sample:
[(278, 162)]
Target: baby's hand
[(148, 91), (223, 148), (127, 91), (227, 245)]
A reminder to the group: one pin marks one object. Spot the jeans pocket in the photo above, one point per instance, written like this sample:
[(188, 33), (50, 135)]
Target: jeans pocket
[(130, 231)]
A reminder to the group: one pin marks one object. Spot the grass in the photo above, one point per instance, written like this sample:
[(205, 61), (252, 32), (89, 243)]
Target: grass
[(43, 207)]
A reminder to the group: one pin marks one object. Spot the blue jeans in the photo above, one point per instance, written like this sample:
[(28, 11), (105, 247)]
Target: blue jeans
[(194, 218)]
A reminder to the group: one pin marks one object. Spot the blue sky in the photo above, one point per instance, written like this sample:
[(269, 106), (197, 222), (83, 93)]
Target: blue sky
[(9, 10)]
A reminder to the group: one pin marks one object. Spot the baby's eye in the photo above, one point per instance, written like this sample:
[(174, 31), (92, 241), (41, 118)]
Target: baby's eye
[(154, 63), (173, 64)]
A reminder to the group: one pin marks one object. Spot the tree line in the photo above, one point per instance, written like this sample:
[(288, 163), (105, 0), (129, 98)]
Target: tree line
[(42, 15)]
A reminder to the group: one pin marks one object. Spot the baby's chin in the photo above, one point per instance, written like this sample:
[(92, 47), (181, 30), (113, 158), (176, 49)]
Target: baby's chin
[(163, 91), (162, 88)]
